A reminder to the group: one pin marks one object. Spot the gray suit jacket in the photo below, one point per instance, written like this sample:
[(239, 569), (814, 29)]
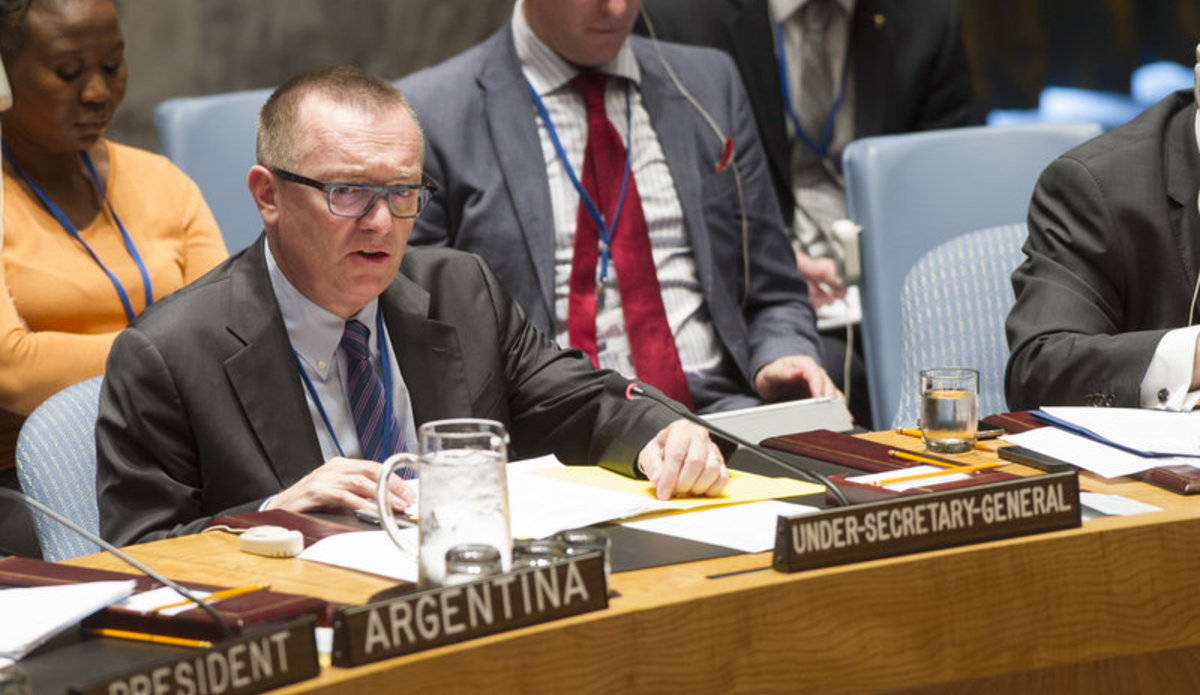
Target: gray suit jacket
[(910, 70), (1112, 258), (483, 151), (203, 412)]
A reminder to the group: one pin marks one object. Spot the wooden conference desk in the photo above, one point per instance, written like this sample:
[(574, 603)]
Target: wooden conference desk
[(1112, 607)]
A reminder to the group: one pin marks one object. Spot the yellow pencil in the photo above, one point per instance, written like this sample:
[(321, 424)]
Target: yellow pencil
[(146, 637), (218, 595), (913, 432), (917, 458), (934, 474)]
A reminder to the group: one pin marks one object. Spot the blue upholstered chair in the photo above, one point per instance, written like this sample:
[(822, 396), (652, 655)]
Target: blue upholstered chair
[(952, 311), (56, 464), (212, 139), (913, 191)]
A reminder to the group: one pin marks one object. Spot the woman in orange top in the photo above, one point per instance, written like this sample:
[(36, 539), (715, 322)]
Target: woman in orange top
[(93, 231)]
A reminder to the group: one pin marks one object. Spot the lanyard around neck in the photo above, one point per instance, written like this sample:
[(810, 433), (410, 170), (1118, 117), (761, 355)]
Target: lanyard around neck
[(819, 148), (387, 387), (605, 230), (71, 230)]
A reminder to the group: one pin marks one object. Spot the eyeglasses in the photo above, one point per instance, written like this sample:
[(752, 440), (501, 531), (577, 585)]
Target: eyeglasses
[(404, 200)]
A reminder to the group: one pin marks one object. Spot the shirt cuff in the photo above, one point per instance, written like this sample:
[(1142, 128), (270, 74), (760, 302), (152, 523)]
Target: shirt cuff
[(1165, 385)]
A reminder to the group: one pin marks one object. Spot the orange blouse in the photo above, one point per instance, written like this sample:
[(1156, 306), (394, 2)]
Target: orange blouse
[(64, 312)]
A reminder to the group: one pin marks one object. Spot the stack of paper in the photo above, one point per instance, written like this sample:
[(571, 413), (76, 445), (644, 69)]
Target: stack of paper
[(1113, 442), (35, 614)]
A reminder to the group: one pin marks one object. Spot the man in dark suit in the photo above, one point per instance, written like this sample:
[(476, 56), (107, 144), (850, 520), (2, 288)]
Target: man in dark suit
[(895, 66), (737, 309), (1106, 298), (238, 393)]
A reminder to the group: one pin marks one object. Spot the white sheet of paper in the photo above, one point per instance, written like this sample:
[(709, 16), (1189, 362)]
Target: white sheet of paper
[(162, 596), (1089, 454), (366, 551), (749, 527), (32, 615), (1145, 430), (871, 478), (1115, 505)]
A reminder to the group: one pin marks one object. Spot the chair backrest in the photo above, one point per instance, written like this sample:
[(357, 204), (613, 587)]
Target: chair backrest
[(952, 311), (913, 191), (212, 139), (56, 465)]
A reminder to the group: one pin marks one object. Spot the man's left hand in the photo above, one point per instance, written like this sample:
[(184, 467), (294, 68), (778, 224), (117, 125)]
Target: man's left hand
[(794, 376), (681, 460)]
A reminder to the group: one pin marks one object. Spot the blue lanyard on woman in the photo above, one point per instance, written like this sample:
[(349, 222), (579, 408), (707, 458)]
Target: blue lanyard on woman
[(70, 228), (821, 149), (387, 387), (605, 230)]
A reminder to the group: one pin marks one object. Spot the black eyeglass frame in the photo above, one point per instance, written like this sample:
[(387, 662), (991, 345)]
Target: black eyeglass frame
[(425, 191)]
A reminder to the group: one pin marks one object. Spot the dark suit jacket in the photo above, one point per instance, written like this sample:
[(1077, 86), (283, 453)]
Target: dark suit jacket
[(1112, 262), (203, 412), (482, 148), (911, 71)]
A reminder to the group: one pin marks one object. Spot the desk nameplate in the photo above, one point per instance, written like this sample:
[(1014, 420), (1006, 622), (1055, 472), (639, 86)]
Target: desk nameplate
[(915, 523), (435, 617), (260, 659)]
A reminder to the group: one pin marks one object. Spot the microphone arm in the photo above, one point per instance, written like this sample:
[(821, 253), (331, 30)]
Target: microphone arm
[(186, 593), (634, 390)]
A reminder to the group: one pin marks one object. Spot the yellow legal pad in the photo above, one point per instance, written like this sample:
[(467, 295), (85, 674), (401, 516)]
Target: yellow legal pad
[(742, 487)]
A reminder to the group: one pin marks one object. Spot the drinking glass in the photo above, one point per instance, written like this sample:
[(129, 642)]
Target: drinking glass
[(462, 492), (949, 409)]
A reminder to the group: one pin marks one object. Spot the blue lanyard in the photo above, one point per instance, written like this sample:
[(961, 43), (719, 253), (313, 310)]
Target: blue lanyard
[(820, 149), (387, 386), (605, 230), (70, 228)]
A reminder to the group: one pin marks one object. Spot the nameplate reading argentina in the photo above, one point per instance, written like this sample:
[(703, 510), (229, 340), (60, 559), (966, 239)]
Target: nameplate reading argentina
[(427, 619), (912, 523), (259, 660)]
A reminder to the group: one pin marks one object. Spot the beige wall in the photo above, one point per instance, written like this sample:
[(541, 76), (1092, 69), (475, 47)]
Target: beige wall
[(190, 47)]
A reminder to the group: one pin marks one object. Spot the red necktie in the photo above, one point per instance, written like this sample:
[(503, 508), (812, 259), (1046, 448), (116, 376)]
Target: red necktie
[(655, 357)]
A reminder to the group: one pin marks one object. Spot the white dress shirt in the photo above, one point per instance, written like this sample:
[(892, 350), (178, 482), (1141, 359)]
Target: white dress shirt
[(315, 334)]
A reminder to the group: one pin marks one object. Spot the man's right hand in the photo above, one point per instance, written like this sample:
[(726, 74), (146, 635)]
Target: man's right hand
[(824, 285), (341, 484)]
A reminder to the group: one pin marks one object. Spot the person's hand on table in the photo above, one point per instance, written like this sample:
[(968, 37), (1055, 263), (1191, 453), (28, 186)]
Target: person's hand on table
[(341, 484), (682, 460)]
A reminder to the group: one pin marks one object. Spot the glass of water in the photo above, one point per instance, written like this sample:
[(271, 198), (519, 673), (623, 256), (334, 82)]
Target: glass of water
[(949, 409), (462, 492)]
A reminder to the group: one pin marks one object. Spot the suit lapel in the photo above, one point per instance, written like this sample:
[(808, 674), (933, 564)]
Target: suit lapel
[(264, 375), (428, 352), (513, 131), (1182, 171), (670, 114)]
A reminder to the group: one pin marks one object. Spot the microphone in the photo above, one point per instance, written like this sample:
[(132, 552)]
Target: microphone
[(21, 497), (634, 390)]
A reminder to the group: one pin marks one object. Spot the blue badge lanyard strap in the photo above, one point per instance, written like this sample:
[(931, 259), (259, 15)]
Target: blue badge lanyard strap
[(821, 149), (605, 230), (387, 387), (71, 230)]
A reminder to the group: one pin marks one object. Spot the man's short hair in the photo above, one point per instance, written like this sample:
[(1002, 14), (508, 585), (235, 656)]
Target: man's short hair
[(347, 86)]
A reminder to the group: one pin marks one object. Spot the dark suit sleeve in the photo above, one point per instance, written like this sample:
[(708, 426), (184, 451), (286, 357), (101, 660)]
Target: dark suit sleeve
[(147, 479), (552, 400), (1067, 331)]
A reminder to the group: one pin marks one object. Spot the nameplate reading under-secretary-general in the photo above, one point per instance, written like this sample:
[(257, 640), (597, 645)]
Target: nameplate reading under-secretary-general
[(449, 614), (259, 660), (912, 523)]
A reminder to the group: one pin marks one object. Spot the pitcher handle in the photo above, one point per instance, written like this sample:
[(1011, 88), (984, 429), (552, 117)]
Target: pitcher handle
[(386, 518)]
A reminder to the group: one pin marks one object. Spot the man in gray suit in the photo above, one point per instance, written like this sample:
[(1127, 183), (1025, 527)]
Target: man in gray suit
[(1106, 298), (236, 393), (737, 309)]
